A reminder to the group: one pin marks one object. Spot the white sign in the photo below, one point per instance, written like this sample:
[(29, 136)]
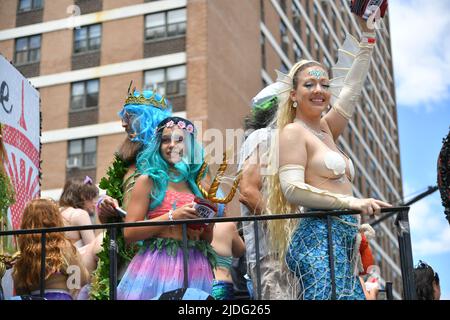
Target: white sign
[(20, 116)]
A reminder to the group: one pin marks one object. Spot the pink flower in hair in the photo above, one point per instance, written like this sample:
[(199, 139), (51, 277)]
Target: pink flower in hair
[(170, 124), (181, 124), (190, 128)]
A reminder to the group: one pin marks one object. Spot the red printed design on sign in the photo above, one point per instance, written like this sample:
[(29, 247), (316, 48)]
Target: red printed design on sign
[(21, 174)]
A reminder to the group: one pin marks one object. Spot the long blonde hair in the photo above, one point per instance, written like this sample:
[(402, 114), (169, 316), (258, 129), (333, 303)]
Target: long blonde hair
[(280, 230), (41, 213)]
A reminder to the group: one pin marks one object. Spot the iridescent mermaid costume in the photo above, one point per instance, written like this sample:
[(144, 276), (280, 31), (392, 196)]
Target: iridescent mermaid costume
[(308, 257)]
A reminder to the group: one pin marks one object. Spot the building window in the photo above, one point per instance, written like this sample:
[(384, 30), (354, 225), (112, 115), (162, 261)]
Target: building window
[(84, 95), (359, 178), (82, 153), (327, 62), (284, 37), (261, 10), (368, 189), (28, 50), (28, 5), (316, 16), (87, 38), (326, 34), (296, 18), (297, 52), (283, 5), (170, 82), (284, 68), (371, 141), (165, 24), (373, 170), (308, 37), (263, 51)]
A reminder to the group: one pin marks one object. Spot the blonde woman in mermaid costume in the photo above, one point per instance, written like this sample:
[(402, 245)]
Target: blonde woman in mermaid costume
[(165, 191), (314, 174)]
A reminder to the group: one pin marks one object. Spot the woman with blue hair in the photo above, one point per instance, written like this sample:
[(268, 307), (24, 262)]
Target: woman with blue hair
[(140, 115), (165, 191)]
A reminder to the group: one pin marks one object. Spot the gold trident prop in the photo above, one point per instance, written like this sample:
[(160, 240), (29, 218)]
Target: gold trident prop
[(212, 193)]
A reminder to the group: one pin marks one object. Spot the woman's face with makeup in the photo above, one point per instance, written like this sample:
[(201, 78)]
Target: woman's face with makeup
[(312, 93), (172, 144)]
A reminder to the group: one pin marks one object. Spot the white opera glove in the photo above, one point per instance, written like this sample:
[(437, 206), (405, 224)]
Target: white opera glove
[(354, 81), (297, 192)]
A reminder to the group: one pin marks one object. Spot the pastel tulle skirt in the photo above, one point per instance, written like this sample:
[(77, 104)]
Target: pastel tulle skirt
[(158, 268)]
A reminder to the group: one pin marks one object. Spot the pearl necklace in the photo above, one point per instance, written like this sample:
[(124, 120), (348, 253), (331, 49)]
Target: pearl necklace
[(319, 135)]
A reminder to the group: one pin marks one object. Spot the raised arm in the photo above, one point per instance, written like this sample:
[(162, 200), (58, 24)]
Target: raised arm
[(342, 111)]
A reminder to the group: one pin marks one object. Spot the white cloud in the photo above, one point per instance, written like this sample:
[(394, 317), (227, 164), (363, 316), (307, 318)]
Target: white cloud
[(430, 231), (421, 51)]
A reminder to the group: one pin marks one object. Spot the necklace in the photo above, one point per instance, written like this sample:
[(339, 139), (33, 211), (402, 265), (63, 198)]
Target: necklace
[(319, 135)]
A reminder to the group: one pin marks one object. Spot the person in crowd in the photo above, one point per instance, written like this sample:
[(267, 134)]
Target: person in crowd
[(427, 282), (313, 174), (77, 201), (65, 274), (165, 191), (228, 244), (275, 280)]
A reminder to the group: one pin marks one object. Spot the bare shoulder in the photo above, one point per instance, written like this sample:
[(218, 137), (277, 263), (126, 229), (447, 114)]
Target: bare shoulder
[(143, 181), (292, 131), (292, 128), (80, 213)]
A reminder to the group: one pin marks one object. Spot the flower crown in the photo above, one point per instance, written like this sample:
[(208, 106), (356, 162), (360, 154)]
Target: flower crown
[(176, 121)]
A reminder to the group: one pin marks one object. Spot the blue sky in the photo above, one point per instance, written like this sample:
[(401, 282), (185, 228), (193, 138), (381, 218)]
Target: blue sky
[(421, 52)]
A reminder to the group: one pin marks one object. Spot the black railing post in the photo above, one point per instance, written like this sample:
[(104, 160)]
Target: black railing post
[(388, 288), (185, 257), (43, 253), (113, 263), (331, 259), (258, 266), (406, 258)]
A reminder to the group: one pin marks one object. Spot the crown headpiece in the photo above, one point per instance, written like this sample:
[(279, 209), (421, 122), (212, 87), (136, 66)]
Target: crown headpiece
[(147, 98), (154, 100)]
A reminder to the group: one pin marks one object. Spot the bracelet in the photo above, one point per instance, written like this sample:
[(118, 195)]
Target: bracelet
[(171, 215), (368, 38)]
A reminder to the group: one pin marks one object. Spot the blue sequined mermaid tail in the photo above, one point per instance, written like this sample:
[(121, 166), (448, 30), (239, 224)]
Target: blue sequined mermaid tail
[(308, 258)]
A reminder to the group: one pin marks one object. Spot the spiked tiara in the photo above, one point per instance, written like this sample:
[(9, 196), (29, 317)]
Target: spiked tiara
[(153, 99)]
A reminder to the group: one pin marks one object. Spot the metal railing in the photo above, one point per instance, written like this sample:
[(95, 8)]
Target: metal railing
[(402, 223)]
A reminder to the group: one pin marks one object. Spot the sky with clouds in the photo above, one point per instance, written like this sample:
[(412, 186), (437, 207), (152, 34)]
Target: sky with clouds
[(421, 52)]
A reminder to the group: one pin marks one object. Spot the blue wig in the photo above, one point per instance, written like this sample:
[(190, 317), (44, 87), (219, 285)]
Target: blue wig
[(151, 163), (145, 114)]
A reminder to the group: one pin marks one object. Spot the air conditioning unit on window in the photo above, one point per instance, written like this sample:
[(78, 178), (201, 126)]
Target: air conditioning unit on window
[(73, 163)]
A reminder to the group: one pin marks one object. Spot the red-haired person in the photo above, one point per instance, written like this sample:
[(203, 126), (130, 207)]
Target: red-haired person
[(64, 272)]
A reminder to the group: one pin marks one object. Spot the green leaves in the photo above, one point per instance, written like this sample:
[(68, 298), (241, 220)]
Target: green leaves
[(113, 182), (7, 195), (173, 245)]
